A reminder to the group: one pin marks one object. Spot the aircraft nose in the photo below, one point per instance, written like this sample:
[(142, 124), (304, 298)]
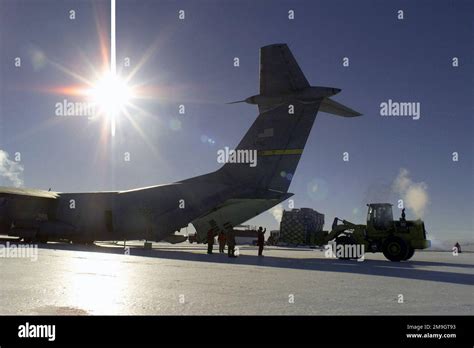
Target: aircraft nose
[(336, 90)]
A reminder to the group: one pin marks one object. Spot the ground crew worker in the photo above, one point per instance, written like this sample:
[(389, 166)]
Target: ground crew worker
[(403, 221), (458, 247), (261, 240), (230, 242), (210, 241), (221, 240)]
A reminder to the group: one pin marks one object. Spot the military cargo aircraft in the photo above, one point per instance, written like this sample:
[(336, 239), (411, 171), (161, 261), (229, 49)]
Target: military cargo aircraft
[(229, 196)]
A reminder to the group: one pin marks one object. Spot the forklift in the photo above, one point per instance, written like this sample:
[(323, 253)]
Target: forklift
[(396, 239)]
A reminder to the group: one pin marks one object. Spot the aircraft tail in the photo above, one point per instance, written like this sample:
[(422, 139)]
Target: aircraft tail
[(288, 106), (258, 172), (276, 139)]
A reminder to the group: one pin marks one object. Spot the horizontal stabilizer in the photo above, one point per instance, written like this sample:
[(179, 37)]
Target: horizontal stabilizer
[(332, 107)]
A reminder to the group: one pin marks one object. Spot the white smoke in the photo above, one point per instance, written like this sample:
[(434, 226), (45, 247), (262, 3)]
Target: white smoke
[(10, 170), (437, 244), (414, 194), (277, 212)]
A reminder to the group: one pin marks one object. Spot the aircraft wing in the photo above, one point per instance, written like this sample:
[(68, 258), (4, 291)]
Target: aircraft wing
[(26, 204), (279, 71), (24, 192)]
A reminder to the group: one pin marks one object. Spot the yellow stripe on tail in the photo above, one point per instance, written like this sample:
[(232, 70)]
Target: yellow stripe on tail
[(280, 152)]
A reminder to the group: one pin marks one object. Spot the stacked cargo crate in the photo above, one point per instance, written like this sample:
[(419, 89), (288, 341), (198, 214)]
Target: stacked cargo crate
[(299, 226)]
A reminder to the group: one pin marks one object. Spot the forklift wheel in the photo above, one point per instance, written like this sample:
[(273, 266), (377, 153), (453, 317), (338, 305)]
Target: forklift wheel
[(395, 249), (410, 254)]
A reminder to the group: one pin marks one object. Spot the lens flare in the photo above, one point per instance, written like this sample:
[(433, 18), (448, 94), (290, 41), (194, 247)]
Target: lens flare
[(111, 94)]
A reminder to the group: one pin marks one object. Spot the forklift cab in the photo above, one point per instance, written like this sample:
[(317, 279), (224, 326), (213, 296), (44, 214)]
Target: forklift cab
[(380, 216)]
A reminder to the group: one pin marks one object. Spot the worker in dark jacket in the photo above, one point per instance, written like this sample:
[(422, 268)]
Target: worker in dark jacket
[(458, 247), (230, 242), (221, 240), (210, 241), (403, 218), (261, 240)]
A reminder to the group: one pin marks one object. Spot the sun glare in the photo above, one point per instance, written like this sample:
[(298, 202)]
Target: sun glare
[(111, 94)]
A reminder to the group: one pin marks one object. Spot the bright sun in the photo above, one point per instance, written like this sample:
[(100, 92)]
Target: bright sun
[(111, 94)]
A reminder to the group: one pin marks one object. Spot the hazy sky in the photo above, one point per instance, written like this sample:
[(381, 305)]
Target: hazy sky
[(190, 62)]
